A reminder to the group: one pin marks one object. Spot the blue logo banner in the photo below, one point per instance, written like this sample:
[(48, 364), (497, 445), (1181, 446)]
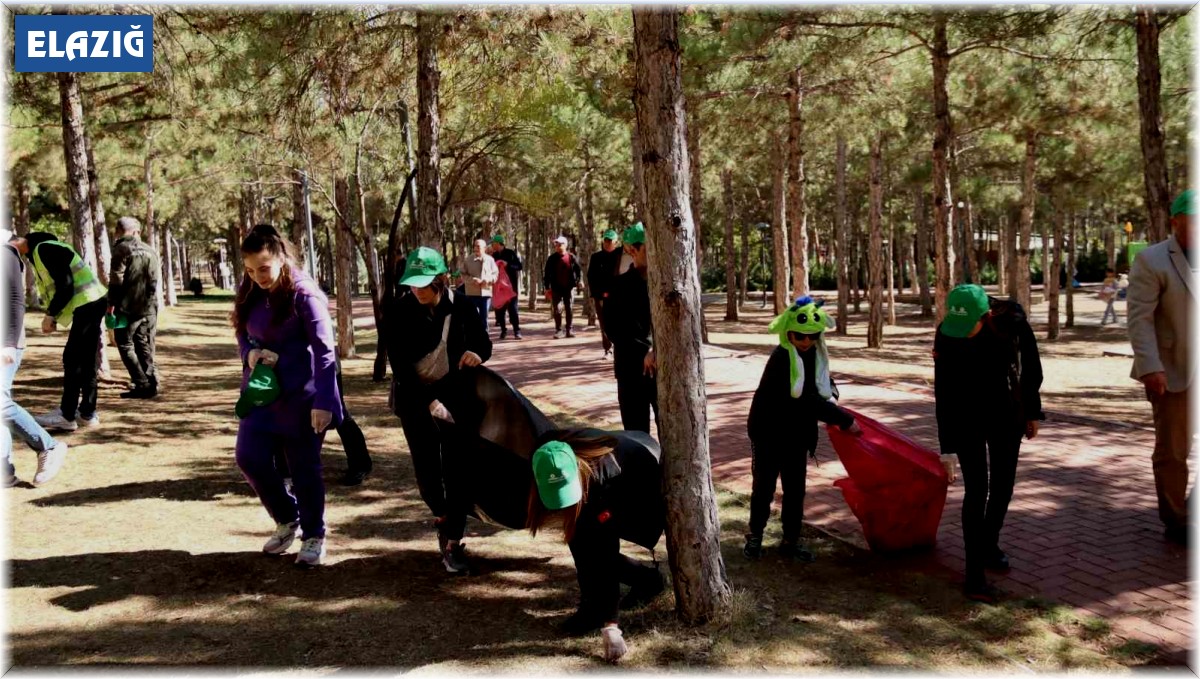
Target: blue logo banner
[(84, 43)]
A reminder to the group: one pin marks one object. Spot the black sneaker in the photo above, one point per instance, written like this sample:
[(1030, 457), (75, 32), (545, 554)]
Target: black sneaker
[(998, 562), (581, 622), (793, 549), (503, 333), (980, 591), (10, 481), (1177, 534), (570, 333), (753, 548), (639, 596), (140, 392), (454, 558), (353, 477)]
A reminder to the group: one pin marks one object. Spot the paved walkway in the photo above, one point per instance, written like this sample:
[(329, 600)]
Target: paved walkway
[(1082, 529)]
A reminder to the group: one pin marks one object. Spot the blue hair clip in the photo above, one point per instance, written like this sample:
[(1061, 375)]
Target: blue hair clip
[(802, 301)]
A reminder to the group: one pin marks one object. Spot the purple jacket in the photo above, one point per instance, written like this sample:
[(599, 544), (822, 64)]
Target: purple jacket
[(307, 367)]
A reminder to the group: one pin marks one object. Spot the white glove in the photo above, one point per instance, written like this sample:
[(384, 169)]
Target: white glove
[(614, 643), (438, 410)]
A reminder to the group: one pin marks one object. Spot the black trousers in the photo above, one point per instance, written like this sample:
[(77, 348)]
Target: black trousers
[(135, 343), (777, 460), (605, 342), (637, 393), (989, 470), (601, 569), (353, 441), (513, 315), (80, 360), (563, 297)]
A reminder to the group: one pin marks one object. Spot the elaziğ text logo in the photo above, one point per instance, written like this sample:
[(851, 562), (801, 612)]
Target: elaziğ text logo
[(84, 43)]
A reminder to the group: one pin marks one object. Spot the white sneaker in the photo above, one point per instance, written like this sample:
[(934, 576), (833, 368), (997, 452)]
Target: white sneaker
[(312, 551), (92, 421), (49, 462), (54, 421), (282, 538)]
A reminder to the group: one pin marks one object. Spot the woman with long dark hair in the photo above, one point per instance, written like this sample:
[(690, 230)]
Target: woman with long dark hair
[(433, 335), (281, 318), (602, 487)]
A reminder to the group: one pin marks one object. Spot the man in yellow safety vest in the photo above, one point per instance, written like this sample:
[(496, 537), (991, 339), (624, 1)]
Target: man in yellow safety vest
[(75, 298)]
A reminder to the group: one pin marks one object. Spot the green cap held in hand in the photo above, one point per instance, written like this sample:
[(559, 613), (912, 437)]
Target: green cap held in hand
[(965, 305), (261, 390), (557, 475), (424, 265)]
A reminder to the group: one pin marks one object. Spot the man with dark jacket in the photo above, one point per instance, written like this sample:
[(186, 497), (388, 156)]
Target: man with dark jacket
[(561, 278), (602, 269), (987, 377), (627, 313), (512, 266), (132, 297), (76, 299)]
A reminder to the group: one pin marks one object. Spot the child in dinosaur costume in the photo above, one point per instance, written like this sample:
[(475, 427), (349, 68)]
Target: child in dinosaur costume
[(795, 392)]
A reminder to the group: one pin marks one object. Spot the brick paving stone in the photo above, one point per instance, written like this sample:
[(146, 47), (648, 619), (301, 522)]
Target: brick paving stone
[(1082, 524)]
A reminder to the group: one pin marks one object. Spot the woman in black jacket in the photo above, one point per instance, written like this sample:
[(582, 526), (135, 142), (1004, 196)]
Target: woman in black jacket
[(987, 376), (603, 487), (433, 335)]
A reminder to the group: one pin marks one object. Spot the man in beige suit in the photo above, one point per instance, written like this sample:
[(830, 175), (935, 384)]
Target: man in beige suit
[(1161, 297)]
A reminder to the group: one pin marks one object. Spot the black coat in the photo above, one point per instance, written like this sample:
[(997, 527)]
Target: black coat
[(413, 331), (602, 271), (627, 320), (775, 417)]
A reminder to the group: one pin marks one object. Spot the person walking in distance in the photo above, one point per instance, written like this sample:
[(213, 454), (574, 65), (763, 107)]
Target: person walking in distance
[(76, 299), (512, 267), (627, 318), (562, 277), (602, 269), (479, 275), (132, 293), (1160, 300)]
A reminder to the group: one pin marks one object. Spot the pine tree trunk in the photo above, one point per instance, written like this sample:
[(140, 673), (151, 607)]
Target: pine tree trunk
[(532, 265), (1110, 247), (798, 238), (75, 154), (1022, 289), (875, 266), (429, 183), (969, 250), (1071, 253), (943, 232), (299, 221), (702, 591), (1002, 255), (731, 289), (1149, 83), (891, 270), (588, 240), (744, 288), (696, 186), (779, 230), (922, 254), (856, 262), (21, 227), (841, 237), (1051, 279), (103, 249), (345, 252)]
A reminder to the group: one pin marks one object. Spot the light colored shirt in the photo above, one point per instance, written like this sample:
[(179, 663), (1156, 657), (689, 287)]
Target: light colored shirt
[(482, 268)]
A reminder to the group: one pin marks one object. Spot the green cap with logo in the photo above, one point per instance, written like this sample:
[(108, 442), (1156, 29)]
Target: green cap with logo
[(557, 475), (1185, 204), (498, 238), (424, 265), (634, 235), (965, 305), (261, 389), (611, 234)]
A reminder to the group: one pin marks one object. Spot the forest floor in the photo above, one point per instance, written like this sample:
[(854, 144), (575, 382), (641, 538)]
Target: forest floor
[(144, 551)]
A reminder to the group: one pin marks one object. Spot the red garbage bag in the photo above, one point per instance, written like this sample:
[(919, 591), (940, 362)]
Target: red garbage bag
[(502, 289), (896, 489)]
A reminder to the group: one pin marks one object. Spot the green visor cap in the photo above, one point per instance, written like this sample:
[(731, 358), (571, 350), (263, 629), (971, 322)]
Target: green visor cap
[(634, 235), (557, 475), (424, 265), (965, 305), (1184, 204), (261, 390), (611, 234), (804, 317), (116, 321), (498, 238)]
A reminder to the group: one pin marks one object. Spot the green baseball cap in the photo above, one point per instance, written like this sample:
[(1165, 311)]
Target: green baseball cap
[(116, 321), (557, 475), (498, 238), (1184, 204), (424, 265), (634, 235), (965, 305), (611, 234), (262, 389)]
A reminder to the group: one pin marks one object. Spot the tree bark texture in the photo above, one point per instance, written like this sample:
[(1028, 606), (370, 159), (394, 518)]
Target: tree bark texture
[(588, 240), (75, 154), (731, 287), (779, 231), (345, 251), (1002, 255), (1071, 254), (922, 254), (170, 293), (841, 237), (891, 270), (798, 238), (1051, 277), (943, 233), (743, 278), (1022, 288), (702, 591), (1149, 84), (875, 247), (429, 183)]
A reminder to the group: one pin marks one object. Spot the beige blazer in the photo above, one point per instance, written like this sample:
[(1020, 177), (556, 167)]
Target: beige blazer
[(1161, 296), (483, 268)]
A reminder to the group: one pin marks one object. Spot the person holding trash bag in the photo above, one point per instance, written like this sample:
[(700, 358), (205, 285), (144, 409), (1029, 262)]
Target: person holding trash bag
[(795, 392), (433, 336), (987, 376), (290, 395), (602, 487)]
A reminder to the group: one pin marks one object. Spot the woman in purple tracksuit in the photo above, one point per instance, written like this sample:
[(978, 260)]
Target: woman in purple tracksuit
[(282, 319)]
